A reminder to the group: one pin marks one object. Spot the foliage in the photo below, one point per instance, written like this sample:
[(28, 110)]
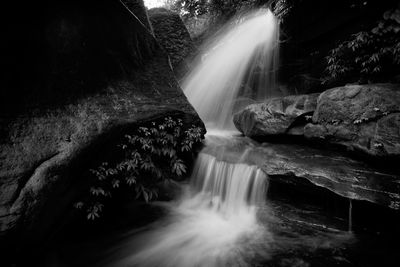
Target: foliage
[(368, 55), (192, 8), (196, 8), (150, 154), (282, 8)]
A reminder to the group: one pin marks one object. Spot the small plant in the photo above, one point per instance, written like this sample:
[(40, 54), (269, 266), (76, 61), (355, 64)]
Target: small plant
[(150, 154), (368, 55)]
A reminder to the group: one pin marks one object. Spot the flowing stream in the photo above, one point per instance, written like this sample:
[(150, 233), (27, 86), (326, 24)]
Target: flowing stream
[(215, 222), (222, 217), (218, 220), (209, 225)]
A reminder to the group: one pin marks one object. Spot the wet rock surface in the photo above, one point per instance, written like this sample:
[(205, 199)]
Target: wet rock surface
[(293, 164)]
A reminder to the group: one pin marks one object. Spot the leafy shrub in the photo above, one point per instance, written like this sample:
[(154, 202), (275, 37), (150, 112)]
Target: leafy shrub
[(369, 55), (150, 154), (195, 8)]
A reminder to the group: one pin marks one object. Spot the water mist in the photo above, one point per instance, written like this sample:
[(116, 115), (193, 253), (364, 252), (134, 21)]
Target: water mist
[(240, 63), (213, 225)]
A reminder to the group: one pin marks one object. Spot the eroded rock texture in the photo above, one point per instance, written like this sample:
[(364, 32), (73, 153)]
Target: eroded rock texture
[(276, 116), (365, 118), (362, 118)]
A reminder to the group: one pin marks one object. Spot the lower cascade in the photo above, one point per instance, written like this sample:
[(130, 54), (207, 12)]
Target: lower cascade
[(213, 224), (232, 188)]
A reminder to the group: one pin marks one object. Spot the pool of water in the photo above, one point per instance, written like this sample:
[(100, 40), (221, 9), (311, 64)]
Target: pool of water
[(285, 234)]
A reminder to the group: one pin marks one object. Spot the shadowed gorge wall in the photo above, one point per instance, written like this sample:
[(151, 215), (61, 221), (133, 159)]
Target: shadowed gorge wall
[(79, 73), (60, 50)]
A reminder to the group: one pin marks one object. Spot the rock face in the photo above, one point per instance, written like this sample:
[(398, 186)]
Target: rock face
[(362, 118), (171, 33), (365, 118), (87, 71), (289, 163), (276, 116)]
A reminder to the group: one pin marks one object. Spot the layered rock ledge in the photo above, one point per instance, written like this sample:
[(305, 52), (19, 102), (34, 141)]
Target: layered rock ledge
[(292, 164)]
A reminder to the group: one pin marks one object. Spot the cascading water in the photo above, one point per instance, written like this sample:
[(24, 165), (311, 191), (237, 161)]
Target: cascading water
[(215, 223), (222, 219), (209, 225), (231, 189), (240, 64)]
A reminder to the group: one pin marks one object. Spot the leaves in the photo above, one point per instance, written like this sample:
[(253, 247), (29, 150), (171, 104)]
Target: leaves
[(130, 180), (368, 54), (178, 167), (148, 155), (94, 211), (97, 191), (79, 205), (115, 183)]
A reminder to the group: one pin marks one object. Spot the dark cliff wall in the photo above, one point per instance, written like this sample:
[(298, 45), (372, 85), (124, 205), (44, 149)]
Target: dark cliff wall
[(173, 36), (58, 50), (78, 74)]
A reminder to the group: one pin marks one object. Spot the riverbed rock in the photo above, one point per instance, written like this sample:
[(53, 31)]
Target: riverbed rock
[(276, 116), (293, 164), (86, 72), (171, 33), (364, 118)]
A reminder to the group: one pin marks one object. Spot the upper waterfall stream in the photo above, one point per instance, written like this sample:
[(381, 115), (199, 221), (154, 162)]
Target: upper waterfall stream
[(239, 65)]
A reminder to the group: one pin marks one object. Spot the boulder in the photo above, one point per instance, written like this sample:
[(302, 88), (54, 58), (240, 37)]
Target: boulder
[(171, 33), (294, 164), (276, 116), (361, 118), (364, 118), (80, 73)]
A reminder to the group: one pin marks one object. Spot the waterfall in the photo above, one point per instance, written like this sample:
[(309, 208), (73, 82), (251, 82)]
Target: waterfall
[(214, 224), (240, 64), (229, 188)]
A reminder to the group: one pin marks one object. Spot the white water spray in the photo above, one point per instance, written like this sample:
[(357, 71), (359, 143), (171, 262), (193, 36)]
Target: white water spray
[(240, 64), (213, 225)]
